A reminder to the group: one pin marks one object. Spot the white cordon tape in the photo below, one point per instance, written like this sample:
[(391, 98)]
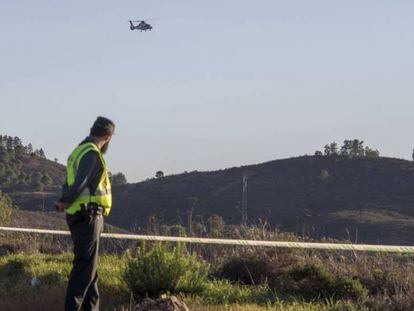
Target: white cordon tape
[(282, 244)]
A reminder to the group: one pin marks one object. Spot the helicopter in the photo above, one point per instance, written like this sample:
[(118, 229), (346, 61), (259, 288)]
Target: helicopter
[(143, 25)]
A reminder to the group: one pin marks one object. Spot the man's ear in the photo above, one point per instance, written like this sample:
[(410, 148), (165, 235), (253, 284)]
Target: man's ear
[(108, 137)]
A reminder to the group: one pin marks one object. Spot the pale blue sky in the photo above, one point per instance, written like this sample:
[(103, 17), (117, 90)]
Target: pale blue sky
[(215, 84)]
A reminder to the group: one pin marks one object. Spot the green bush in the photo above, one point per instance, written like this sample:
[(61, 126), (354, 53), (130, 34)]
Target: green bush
[(313, 281), (164, 270), (260, 268)]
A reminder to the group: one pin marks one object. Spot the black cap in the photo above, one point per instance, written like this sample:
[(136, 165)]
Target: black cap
[(102, 126)]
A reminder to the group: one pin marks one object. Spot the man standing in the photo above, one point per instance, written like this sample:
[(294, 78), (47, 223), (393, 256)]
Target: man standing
[(86, 198)]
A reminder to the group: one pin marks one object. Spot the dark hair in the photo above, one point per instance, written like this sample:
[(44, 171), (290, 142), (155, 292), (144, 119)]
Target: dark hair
[(102, 127)]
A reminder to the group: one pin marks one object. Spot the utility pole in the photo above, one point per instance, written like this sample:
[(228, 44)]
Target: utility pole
[(43, 201), (244, 201), (190, 212)]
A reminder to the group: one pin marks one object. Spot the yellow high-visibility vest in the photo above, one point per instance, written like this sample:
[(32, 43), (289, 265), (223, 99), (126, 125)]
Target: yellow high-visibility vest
[(102, 196)]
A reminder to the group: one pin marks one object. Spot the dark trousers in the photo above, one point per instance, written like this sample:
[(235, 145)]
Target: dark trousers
[(82, 291)]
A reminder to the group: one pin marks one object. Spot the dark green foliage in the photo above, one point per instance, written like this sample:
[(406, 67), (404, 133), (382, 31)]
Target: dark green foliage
[(40, 153), (351, 148), (14, 268), (259, 268), (117, 179), (269, 268), (22, 169), (283, 272), (313, 281), (164, 270), (251, 270)]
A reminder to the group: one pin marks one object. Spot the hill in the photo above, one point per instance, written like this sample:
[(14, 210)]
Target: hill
[(25, 169), (361, 199), (343, 194)]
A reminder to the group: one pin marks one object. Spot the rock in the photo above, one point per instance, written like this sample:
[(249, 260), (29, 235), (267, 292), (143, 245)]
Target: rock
[(35, 281), (163, 303)]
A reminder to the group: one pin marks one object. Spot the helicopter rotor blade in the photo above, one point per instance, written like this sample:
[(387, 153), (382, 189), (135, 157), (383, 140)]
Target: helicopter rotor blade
[(144, 20)]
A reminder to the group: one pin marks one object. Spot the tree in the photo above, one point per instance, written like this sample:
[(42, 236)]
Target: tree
[(29, 148), (4, 155), (346, 148), (357, 148), (17, 142), (9, 143), (159, 174), (42, 153), (370, 153), (327, 150), (334, 148), (351, 148), (20, 149), (117, 179), (318, 153)]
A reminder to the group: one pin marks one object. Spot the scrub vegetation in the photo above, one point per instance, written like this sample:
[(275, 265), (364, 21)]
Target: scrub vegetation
[(344, 191), (348, 187), (227, 278), (23, 168)]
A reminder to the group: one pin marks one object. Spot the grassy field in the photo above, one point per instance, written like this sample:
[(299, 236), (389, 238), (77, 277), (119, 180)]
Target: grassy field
[(18, 270), (238, 278)]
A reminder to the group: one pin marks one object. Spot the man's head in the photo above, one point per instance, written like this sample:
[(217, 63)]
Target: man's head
[(102, 131)]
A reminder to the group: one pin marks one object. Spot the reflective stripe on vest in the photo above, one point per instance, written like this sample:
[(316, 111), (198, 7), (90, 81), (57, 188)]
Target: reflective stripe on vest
[(102, 195)]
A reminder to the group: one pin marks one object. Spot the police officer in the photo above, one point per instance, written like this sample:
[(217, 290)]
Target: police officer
[(86, 198)]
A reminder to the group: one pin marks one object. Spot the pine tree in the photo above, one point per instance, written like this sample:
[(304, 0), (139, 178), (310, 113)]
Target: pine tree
[(29, 148), (42, 153), (334, 148), (9, 143)]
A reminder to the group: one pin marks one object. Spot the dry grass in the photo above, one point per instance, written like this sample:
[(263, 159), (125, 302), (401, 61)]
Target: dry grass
[(389, 278)]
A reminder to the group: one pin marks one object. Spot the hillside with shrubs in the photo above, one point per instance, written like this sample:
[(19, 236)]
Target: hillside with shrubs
[(346, 192), (23, 168), (343, 191)]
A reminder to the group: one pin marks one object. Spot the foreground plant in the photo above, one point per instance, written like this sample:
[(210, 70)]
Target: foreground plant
[(164, 269)]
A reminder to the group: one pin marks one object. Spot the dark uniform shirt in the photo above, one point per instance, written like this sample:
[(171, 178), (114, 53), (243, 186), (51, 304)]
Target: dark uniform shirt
[(88, 175)]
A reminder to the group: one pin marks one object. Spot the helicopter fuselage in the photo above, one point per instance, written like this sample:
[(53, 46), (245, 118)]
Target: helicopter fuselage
[(143, 26)]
